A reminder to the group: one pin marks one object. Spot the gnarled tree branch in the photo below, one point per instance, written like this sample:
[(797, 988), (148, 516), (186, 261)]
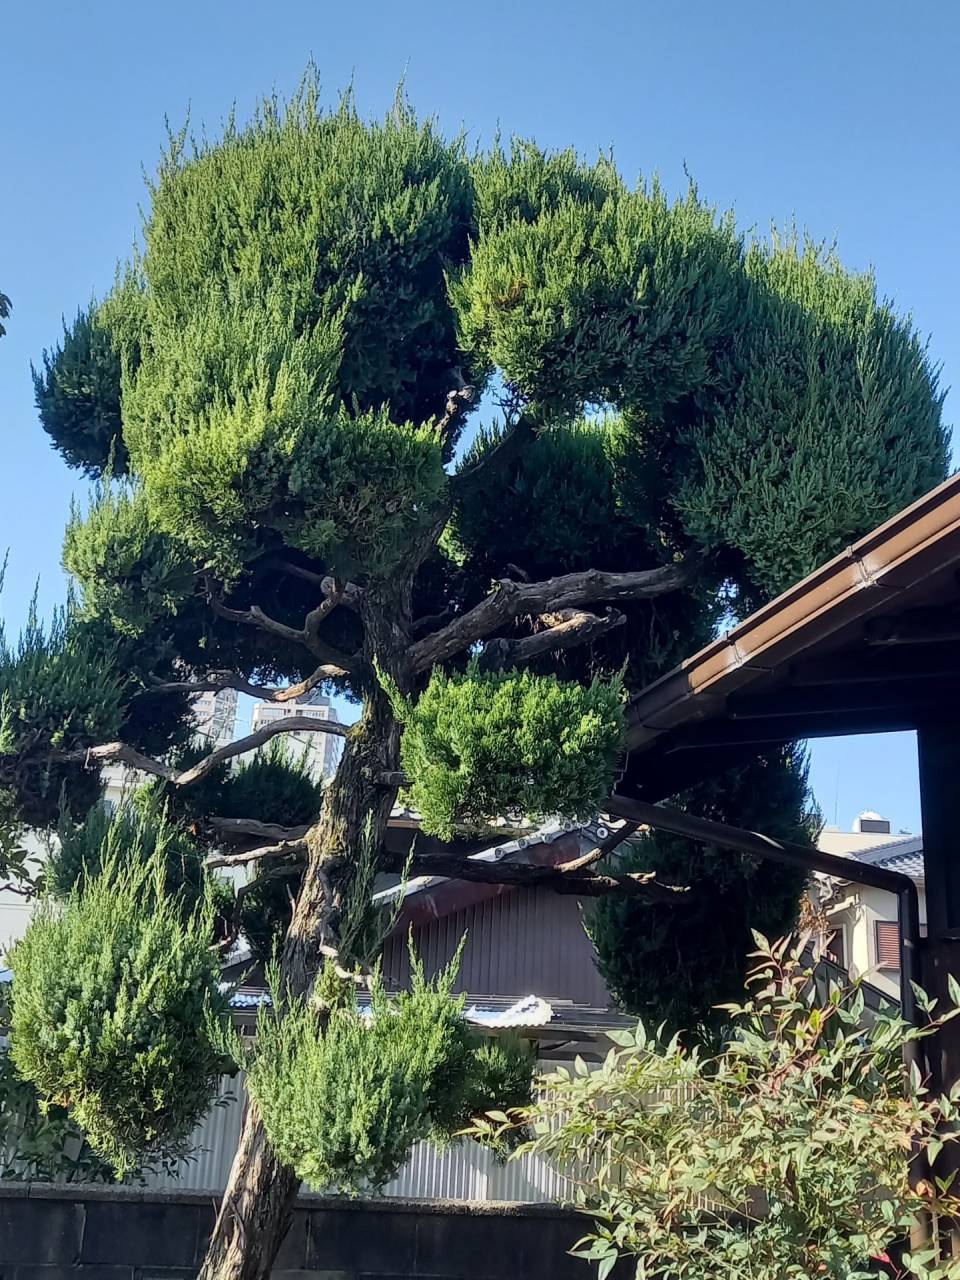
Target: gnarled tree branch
[(563, 630), (239, 829), (269, 852), (511, 599), (572, 878), (216, 681), (334, 662), (121, 753)]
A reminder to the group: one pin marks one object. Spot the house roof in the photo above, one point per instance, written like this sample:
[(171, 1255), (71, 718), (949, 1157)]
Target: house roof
[(425, 898), (556, 1025), (904, 855), (869, 642)]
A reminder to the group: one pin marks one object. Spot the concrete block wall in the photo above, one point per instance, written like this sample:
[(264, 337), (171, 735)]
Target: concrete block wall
[(91, 1233)]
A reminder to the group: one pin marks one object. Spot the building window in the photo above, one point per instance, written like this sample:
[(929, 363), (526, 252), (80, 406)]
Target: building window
[(888, 945)]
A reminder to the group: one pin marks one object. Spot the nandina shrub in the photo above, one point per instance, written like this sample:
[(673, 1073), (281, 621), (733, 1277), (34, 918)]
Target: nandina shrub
[(783, 1157)]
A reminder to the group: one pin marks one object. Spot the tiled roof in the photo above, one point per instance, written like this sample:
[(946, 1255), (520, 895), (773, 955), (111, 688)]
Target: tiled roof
[(495, 1012), (904, 855), (908, 864)]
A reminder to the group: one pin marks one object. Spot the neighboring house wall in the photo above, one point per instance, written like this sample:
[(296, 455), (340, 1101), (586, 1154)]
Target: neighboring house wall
[(525, 942), (870, 907), (867, 917), (15, 910)]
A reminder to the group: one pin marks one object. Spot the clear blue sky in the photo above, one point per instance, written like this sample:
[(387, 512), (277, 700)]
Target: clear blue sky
[(844, 115)]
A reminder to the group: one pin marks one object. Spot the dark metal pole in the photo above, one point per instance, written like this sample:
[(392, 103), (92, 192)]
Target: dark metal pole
[(664, 818)]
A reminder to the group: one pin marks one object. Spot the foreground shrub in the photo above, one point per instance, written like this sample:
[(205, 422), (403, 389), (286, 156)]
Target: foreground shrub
[(345, 1093), (783, 1158), (481, 745), (117, 1010)]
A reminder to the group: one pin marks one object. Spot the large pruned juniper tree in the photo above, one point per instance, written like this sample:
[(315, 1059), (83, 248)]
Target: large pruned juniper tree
[(278, 400)]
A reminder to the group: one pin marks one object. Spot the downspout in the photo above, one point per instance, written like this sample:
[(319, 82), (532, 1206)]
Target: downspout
[(663, 818), (679, 823)]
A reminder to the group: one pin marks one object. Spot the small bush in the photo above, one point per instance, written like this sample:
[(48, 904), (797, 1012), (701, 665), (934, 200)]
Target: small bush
[(129, 836), (345, 1095), (479, 746), (117, 1013)]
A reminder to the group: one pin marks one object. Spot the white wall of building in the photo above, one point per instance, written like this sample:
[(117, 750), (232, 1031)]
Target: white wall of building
[(859, 909), (321, 751)]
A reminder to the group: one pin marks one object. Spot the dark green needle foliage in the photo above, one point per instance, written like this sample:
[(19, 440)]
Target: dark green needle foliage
[(276, 383), (136, 833), (477, 747), (675, 966), (60, 688), (77, 392), (117, 1011)]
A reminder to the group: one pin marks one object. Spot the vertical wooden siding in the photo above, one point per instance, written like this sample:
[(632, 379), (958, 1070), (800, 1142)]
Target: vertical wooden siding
[(518, 944)]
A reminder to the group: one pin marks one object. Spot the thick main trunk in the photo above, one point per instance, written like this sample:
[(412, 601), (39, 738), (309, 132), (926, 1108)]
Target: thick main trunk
[(258, 1203), (256, 1211)]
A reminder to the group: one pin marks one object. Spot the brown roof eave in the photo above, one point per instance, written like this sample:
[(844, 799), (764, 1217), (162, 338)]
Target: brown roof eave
[(916, 544)]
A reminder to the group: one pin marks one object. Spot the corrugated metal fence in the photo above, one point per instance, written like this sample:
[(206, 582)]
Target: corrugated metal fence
[(464, 1171)]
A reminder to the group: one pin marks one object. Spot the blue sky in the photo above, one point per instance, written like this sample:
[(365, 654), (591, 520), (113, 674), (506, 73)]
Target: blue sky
[(841, 115)]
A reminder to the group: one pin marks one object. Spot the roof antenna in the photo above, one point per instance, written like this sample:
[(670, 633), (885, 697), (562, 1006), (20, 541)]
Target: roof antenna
[(836, 798)]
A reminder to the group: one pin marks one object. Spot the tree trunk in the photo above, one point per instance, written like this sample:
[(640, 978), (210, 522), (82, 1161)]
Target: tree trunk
[(258, 1203), (256, 1211)]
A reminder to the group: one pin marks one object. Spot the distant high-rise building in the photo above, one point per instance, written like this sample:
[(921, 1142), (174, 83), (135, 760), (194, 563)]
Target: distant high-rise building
[(322, 750), (215, 715)]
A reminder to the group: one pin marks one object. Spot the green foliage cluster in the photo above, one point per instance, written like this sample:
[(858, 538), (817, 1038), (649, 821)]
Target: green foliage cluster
[(40, 1143), (59, 689), (5, 308), (134, 834), (128, 571), (783, 1157), (478, 746), (274, 783), (675, 967), (77, 394), (576, 498), (621, 302), (345, 1094), (117, 1014), (312, 286), (291, 286), (270, 375), (834, 420)]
